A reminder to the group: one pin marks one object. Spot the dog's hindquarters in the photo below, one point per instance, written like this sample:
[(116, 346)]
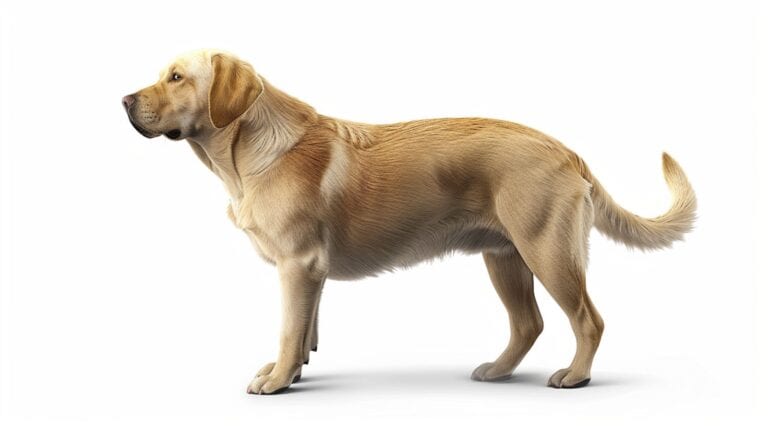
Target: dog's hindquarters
[(547, 213)]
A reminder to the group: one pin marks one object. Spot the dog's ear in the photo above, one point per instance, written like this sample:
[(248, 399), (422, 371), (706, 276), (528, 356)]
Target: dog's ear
[(234, 88)]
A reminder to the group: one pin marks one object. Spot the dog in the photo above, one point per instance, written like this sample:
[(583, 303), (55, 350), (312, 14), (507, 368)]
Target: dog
[(324, 198)]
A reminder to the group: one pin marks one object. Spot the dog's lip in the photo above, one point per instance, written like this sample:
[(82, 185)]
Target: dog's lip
[(141, 130), (173, 134)]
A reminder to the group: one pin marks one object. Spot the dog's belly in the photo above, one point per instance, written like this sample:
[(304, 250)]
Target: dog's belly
[(388, 251)]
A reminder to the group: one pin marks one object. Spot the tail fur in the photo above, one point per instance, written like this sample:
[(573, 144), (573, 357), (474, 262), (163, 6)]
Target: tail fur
[(639, 232)]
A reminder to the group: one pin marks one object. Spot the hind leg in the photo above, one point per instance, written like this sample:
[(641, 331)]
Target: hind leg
[(564, 278), (552, 240), (568, 288), (514, 284)]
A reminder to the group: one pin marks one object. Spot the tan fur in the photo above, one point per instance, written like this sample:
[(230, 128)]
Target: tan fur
[(236, 87), (322, 197)]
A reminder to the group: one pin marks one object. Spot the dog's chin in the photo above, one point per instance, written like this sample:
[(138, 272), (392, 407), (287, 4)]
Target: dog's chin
[(143, 131)]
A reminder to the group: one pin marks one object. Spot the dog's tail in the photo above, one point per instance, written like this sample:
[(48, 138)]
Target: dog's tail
[(634, 231)]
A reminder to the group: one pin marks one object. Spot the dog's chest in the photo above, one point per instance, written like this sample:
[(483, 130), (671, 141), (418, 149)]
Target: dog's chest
[(274, 228), (254, 226), (263, 245)]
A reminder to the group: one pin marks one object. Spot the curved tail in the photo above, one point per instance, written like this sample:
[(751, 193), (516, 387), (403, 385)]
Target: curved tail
[(639, 232)]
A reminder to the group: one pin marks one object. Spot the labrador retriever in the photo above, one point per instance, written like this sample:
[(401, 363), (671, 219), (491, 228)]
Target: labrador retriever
[(326, 198)]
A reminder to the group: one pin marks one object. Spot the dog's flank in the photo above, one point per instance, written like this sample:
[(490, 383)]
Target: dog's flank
[(327, 198)]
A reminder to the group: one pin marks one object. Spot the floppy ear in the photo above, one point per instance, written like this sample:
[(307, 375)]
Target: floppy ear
[(233, 89)]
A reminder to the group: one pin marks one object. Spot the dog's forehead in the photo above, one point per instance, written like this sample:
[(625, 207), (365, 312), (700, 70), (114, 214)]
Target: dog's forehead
[(196, 63)]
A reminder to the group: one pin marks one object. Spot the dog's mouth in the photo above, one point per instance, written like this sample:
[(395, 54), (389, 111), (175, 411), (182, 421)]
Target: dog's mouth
[(173, 134), (143, 131)]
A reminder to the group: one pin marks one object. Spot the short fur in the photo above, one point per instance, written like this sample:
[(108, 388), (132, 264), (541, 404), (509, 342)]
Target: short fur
[(326, 198)]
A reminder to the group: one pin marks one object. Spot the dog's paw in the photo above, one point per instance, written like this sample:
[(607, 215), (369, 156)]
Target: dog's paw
[(266, 370), (271, 384), (568, 378), (490, 372)]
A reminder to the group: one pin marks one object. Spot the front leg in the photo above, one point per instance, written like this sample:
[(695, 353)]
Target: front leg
[(302, 280)]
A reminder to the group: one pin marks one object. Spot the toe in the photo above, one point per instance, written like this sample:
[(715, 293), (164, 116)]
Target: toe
[(488, 372), (266, 370), (264, 385), (573, 380), (568, 378), (557, 378), (273, 387), (479, 373), (256, 384)]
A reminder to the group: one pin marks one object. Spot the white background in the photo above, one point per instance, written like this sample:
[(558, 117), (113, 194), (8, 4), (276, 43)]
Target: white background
[(129, 302)]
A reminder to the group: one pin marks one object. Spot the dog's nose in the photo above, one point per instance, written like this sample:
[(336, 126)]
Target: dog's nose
[(128, 101)]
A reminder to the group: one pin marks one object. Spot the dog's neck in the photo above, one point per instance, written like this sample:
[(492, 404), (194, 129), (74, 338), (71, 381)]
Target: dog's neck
[(256, 140)]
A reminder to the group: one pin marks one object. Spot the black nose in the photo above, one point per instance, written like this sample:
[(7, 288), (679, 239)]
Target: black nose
[(128, 101)]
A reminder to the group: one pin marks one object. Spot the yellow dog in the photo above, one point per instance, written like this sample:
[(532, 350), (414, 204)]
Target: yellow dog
[(321, 197)]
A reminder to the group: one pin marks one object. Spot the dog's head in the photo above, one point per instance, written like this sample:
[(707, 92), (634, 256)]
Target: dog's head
[(197, 93)]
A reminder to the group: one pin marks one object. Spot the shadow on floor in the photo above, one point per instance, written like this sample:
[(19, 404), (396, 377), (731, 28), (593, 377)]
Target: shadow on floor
[(433, 380)]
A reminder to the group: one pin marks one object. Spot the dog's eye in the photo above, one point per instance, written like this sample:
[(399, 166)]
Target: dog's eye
[(175, 77)]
